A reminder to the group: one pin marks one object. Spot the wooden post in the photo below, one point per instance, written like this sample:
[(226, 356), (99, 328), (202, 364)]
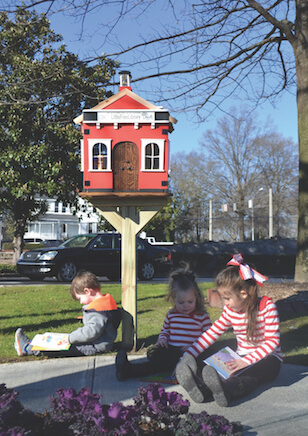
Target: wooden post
[(128, 216), (129, 265)]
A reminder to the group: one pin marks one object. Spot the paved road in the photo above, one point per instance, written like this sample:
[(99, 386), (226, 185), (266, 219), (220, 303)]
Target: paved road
[(24, 281)]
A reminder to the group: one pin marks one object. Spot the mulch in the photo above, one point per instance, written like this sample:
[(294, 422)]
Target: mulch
[(290, 297), (285, 290)]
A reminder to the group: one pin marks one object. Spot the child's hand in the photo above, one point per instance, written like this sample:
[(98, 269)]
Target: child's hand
[(162, 343), (237, 364)]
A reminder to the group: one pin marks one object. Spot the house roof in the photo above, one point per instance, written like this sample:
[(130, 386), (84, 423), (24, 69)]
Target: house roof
[(124, 99)]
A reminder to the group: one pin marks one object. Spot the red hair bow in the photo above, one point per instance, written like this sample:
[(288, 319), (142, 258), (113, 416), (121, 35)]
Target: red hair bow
[(246, 272)]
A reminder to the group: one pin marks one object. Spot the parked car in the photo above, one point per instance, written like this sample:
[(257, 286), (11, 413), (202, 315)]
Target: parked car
[(45, 242), (52, 242), (33, 240), (99, 253)]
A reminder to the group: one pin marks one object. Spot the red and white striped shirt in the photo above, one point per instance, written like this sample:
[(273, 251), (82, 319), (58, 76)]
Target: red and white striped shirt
[(182, 330), (266, 338)]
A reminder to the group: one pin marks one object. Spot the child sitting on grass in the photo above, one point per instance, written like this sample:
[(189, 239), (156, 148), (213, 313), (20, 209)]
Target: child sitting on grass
[(101, 319), (183, 324)]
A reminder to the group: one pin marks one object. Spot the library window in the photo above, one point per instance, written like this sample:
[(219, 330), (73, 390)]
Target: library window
[(99, 154), (152, 155)]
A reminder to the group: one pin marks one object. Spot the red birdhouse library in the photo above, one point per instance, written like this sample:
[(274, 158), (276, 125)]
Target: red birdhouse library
[(125, 163), (125, 146)]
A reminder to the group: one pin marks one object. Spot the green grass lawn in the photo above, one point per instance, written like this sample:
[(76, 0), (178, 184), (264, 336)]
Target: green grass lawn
[(50, 308)]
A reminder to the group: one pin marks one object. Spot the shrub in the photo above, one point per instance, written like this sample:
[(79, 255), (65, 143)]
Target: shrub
[(154, 412), (8, 269), (7, 246)]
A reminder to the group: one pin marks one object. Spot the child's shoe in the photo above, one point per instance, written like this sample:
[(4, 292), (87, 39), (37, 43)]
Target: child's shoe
[(187, 380), (190, 361), (218, 386), (21, 342), (122, 365)]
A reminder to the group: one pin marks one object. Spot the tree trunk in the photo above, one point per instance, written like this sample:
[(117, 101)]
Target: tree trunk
[(241, 227), (301, 58), (17, 247), (20, 219)]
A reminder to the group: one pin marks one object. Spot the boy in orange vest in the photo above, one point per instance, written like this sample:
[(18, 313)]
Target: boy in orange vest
[(101, 319)]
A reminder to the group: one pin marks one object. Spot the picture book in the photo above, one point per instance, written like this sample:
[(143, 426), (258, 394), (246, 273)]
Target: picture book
[(50, 342), (220, 360), (162, 377)]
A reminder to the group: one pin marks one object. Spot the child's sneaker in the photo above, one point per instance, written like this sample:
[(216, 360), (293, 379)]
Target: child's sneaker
[(21, 342), (187, 380), (217, 385)]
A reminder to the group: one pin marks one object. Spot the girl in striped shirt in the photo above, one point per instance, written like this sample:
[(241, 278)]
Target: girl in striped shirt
[(183, 325), (255, 323)]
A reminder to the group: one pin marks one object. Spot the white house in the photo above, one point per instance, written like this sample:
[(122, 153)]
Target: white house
[(59, 222)]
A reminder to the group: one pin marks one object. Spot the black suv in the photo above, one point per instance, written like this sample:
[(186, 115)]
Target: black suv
[(99, 253)]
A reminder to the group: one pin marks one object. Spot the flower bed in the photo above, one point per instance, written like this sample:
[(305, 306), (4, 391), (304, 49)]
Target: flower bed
[(154, 412)]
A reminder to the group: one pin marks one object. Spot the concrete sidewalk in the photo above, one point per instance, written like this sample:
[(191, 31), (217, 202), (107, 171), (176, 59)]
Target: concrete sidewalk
[(279, 408)]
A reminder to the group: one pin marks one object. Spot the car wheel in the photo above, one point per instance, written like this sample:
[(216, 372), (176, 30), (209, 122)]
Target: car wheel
[(147, 271), (67, 271)]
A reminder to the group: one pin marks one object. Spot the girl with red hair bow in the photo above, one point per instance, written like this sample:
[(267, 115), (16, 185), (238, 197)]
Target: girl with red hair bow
[(255, 323)]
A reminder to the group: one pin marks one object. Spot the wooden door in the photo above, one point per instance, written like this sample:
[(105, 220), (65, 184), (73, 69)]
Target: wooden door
[(125, 166)]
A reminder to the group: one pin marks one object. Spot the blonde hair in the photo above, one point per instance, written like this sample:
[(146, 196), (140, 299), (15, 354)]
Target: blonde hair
[(230, 277), (183, 279), (83, 280)]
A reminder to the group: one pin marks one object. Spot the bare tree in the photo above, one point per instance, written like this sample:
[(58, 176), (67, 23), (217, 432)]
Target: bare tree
[(190, 187), (232, 147), (222, 48), (239, 162), (279, 172), (250, 157)]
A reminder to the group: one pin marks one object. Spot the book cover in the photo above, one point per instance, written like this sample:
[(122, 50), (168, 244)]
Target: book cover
[(50, 342), (162, 377), (220, 360)]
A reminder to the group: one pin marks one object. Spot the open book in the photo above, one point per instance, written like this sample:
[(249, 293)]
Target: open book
[(50, 342), (220, 360)]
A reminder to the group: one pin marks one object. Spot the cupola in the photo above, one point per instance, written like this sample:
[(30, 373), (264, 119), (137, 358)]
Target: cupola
[(125, 77)]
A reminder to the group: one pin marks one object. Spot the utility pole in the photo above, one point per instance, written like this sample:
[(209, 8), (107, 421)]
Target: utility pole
[(210, 220), (270, 213), (250, 206)]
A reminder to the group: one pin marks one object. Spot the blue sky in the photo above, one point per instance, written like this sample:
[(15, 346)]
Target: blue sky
[(187, 134)]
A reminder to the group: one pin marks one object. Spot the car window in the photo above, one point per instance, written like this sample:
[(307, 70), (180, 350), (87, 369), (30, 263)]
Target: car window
[(52, 242), (80, 241), (103, 241)]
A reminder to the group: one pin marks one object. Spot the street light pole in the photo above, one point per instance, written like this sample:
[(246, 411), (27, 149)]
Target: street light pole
[(250, 206), (270, 213), (210, 220)]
